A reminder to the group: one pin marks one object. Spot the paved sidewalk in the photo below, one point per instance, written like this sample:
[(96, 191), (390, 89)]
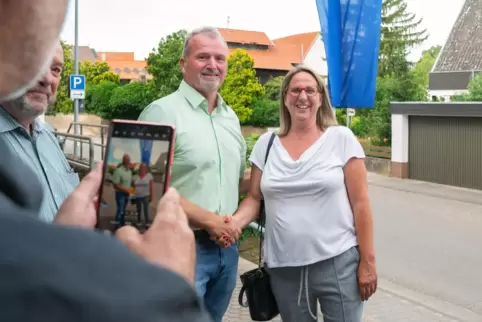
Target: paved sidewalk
[(384, 306)]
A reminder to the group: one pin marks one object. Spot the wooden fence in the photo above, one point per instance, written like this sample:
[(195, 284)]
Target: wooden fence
[(384, 152)]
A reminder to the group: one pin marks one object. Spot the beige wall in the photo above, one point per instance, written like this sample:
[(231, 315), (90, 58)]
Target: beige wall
[(61, 122)]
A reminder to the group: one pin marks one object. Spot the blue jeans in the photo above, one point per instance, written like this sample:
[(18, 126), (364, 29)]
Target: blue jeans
[(121, 200), (216, 274), (142, 203)]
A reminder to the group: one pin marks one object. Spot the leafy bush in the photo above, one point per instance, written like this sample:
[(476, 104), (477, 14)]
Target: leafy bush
[(250, 141), (359, 126), (126, 102), (273, 88), (97, 96), (265, 113)]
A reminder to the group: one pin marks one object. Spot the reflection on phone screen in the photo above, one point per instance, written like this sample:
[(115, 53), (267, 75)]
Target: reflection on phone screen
[(134, 181)]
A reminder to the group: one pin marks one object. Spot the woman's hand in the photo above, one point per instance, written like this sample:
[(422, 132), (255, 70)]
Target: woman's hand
[(367, 278)]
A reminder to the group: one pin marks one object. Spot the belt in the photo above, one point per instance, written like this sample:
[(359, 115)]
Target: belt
[(201, 234)]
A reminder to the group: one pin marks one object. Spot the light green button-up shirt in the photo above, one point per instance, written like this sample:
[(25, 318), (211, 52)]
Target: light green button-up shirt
[(209, 152), (123, 177), (41, 151)]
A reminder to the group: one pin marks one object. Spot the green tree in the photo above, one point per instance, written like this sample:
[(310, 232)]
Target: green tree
[(126, 102), (474, 91), (63, 104), (92, 71), (241, 86), (97, 97), (106, 77), (424, 65), (400, 31), (390, 88), (379, 120), (265, 112), (273, 88), (163, 64)]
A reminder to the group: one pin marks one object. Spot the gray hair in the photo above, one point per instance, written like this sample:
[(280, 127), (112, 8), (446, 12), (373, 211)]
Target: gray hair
[(205, 30)]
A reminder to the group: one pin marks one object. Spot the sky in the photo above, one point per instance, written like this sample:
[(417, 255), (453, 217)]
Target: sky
[(121, 146), (138, 25)]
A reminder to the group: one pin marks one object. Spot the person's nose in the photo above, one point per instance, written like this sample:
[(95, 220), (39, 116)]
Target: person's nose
[(303, 95), (211, 63), (46, 79)]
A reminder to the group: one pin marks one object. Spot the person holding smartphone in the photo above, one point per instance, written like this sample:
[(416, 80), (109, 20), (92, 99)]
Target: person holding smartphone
[(66, 271)]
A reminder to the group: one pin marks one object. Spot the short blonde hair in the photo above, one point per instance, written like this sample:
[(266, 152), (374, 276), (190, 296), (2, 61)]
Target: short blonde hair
[(325, 116)]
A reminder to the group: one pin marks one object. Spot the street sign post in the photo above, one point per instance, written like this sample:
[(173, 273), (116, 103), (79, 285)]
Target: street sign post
[(350, 112), (77, 87)]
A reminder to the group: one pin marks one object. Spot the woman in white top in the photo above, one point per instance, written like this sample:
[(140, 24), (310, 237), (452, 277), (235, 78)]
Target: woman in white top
[(319, 228), (143, 192)]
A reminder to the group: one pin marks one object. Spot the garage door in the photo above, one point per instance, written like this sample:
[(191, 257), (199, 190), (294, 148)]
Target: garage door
[(446, 150)]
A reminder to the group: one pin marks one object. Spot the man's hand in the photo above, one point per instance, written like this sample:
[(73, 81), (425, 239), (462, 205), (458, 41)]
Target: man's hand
[(79, 209), (224, 231), (169, 242), (227, 240)]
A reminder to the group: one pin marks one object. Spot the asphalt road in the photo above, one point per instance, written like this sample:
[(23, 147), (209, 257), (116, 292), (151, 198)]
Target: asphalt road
[(429, 245)]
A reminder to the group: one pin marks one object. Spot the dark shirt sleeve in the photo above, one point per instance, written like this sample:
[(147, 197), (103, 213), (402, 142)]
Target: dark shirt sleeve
[(59, 274), (51, 273)]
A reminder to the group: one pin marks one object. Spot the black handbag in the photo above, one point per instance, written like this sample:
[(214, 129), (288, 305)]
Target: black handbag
[(256, 285)]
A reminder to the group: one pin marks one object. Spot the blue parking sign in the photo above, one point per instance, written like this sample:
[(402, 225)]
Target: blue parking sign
[(77, 86)]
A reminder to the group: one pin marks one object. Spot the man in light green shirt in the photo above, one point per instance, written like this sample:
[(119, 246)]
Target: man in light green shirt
[(209, 162), (122, 181)]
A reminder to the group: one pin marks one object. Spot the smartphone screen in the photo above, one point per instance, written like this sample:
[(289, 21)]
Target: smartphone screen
[(137, 166)]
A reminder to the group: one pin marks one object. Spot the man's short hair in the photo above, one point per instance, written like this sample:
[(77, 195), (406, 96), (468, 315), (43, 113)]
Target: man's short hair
[(205, 30)]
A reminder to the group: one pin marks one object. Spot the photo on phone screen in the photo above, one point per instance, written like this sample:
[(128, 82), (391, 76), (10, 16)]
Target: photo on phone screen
[(136, 174)]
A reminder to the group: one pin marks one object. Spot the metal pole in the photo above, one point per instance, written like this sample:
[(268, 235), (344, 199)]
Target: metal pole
[(76, 66), (347, 119)]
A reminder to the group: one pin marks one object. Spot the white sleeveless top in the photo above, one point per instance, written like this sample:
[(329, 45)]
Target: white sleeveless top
[(308, 214)]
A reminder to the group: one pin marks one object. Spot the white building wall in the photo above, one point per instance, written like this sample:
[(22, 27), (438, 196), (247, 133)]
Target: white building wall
[(316, 57)]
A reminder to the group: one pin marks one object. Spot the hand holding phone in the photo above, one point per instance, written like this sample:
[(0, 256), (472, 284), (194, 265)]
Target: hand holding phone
[(136, 173)]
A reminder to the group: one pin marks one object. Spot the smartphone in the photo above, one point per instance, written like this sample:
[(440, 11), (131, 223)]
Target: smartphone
[(137, 172)]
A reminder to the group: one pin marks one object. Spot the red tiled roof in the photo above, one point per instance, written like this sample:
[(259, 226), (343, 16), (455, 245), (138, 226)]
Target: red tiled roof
[(245, 36), (304, 41), (283, 53)]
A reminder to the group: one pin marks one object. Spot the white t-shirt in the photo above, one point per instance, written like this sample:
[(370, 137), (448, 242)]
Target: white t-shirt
[(308, 214), (142, 185)]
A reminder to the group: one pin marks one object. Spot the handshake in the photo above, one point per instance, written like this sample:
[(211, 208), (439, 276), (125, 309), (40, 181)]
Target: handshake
[(226, 230)]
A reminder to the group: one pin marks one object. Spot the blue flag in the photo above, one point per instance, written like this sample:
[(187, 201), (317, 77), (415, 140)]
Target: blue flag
[(146, 150), (351, 34)]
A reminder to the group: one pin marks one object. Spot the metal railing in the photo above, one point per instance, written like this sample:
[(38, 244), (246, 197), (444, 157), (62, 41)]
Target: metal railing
[(257, 227), (82, 139), (103, 133)]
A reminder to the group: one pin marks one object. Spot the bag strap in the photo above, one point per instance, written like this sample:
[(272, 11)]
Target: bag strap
[(262, 217), (241, 295)]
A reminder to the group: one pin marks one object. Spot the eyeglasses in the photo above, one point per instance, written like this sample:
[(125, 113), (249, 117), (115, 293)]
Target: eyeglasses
[(309, 91)]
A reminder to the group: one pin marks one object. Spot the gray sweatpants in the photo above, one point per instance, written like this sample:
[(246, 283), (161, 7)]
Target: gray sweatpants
[(332, 282)]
